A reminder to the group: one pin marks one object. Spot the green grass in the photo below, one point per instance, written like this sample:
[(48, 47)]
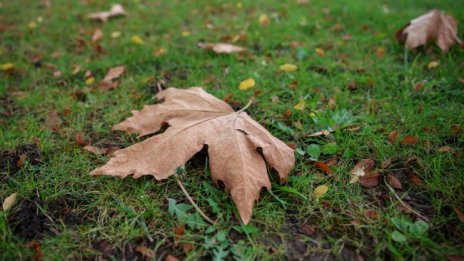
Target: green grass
[(86, 217)]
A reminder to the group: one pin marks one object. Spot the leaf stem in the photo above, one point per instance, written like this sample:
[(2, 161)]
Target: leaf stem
[(246, 106), (404, 204), (191, 200)]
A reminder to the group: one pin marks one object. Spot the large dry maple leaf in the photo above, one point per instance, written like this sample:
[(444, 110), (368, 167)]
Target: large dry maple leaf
[(196, 119), (434, 26)]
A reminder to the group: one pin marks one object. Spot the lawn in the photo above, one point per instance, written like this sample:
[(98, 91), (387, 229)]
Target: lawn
[(353, 78)]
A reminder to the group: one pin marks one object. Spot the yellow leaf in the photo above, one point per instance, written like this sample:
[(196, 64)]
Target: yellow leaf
[(264, 20), (247, 84), (288, 67), (320, 52), (115, 34), (320, 191), (32, 25), (7, 66), (185, 33), (9, 202), (160, 51), (299, 106), (432, 65), (137, 40), (89, 80), (239, 5)]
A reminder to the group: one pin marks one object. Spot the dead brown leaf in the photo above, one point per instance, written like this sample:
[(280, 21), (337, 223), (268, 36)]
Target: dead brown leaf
[(445, 149), (196, 119), (109, 82), (307, 229), (97, 35), (415, 180), (116, 10), (171, 258), (145, 251), (371, 213), (220, 48), (386, 163), (394, 181), (459, 213), (370, 180), (409, 140), (324, 167), (455, 129), (392, 136), (94, 150), (361, 168), (434, 26)]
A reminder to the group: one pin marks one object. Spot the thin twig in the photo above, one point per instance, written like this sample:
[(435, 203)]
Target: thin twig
[(246, 106), (191, 200), (404, 204)]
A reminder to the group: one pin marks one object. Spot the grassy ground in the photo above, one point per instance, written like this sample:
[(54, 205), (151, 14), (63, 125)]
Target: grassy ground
[(372, 79)]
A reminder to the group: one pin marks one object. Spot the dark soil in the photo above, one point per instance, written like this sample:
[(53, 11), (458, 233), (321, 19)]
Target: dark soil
[(29, 222), (10, 159)]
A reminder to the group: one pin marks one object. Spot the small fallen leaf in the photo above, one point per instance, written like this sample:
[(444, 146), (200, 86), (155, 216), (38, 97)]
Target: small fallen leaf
[(434, 26), (170, 257), (459, 213), (300, 105), (380, 52), (371, 213), (308, 230), (455, 129), (137, 40), (392, 136), (324, 167), (320, 191), (187, 247), (394, 181), (264, 20), (21, 161), (116, 10), (445, 149), (89, 80), (370, 180), (415, 180), (145, 251), (247, 84), (97, 35), (221, 48), (9, 201), (94, 150), (114, 73), (361, 168), (386, 163), (432, 65), (7, 66), (160, 51), (288, 67), (185, 33), (409, 140), (320, 133), (32, 25), (115, 34), (320, 52)]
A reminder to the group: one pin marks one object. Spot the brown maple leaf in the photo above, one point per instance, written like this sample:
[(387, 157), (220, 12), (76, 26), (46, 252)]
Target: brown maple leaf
[(196, 119), (434, 26)]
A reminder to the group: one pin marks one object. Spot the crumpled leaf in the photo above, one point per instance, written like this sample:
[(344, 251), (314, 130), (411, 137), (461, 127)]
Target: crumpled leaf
[(434, 26), (196, 119), (221, 48), (116, 10)]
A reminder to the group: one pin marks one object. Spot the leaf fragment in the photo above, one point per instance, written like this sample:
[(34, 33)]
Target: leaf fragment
[(137, 40), (394, 181), (370, 180)]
